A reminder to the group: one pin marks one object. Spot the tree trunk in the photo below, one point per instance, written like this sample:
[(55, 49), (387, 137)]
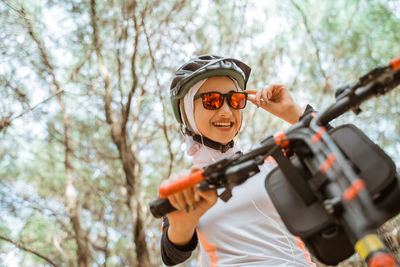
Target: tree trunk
[(139, 238), (70, 192), (142, 252)]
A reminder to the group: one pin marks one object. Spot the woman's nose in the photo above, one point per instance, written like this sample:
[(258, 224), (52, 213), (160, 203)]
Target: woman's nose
[(225, 107)]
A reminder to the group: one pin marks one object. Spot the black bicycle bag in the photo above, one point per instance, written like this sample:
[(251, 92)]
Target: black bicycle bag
[(323, 236)]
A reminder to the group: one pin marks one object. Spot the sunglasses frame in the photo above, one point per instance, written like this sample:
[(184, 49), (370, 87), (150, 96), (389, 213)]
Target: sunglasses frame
[(224, 96)]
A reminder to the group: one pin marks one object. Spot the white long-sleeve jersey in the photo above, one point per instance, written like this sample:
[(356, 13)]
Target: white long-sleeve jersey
[(247, 230)]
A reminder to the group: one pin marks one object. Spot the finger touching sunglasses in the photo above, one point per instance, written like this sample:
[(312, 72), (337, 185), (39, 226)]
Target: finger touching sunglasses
[(275, 93), (277, 100)]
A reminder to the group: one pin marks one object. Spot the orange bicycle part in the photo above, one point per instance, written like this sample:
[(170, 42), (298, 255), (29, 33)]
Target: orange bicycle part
[(181, 185)]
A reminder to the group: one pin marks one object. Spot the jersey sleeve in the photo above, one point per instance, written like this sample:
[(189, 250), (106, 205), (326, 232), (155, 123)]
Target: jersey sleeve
[(172, 254)]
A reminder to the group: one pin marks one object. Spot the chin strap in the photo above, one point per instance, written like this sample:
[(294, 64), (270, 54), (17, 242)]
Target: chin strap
[(208, 142)]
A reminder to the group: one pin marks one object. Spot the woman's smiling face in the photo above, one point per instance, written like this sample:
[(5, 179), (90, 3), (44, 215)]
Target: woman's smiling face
[(220, 125)]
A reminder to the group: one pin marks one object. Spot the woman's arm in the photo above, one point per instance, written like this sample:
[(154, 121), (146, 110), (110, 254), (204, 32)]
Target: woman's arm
[(172, 254), (180, 225)]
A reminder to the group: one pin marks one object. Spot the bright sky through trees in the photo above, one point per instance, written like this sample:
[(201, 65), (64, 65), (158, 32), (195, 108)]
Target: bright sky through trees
[(110, 137)]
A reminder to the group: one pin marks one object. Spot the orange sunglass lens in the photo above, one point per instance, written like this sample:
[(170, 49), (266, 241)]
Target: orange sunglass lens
[(238, 100), (212, 100)]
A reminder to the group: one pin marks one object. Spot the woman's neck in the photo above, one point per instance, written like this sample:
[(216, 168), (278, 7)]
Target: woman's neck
[(205, 155)]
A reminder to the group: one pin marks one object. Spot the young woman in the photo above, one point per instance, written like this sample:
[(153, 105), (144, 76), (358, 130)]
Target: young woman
[(208, 94)]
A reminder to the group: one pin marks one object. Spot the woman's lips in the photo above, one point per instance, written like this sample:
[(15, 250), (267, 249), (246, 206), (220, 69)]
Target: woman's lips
[(223, 125)]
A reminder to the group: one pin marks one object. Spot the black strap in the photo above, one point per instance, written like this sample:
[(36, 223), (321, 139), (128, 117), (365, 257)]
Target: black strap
[(208, 142), (294, 177), (317, 181)]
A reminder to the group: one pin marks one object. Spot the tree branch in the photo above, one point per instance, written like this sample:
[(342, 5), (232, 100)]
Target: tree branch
[(119, 137), (314, 42), (164, 125), (5, 121), (70, 191), (133, 69), (56, 93), (75, 70), (104, 73), (25, 248), (238, 38)]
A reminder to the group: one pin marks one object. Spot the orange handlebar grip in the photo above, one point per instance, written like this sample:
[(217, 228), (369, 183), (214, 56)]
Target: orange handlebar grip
[(181, 185), (395, 63)]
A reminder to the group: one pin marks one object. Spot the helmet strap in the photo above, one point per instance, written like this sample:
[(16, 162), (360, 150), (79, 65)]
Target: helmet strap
[(208, 142), (183, 114)]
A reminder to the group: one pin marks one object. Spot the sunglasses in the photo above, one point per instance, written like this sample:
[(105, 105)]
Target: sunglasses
[(215, 100)]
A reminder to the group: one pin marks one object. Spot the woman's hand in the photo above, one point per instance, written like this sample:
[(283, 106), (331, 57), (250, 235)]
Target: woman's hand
[(277, 100), (191, 204)]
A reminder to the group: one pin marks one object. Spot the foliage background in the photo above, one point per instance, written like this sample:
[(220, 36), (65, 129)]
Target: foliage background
[(87, 132)]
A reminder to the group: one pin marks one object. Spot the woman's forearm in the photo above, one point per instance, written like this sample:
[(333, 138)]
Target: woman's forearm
[(180, 235)]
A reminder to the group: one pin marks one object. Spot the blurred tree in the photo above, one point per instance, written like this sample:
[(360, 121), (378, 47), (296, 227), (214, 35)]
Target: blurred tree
[(87, 131)]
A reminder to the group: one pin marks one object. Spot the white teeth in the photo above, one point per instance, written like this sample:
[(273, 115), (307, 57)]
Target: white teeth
[(222, 124)]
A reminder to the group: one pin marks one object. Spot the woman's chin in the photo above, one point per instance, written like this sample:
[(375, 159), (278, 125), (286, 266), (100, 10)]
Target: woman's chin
[(223, 135)]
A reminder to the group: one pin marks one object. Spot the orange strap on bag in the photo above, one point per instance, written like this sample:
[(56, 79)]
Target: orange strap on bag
[(328, 163), (317, 137), (352, 191), (181, 185), (280, 139)]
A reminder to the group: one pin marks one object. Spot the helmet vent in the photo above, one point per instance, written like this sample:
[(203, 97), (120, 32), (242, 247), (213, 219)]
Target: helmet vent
[(207, 57), (191, 67)]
